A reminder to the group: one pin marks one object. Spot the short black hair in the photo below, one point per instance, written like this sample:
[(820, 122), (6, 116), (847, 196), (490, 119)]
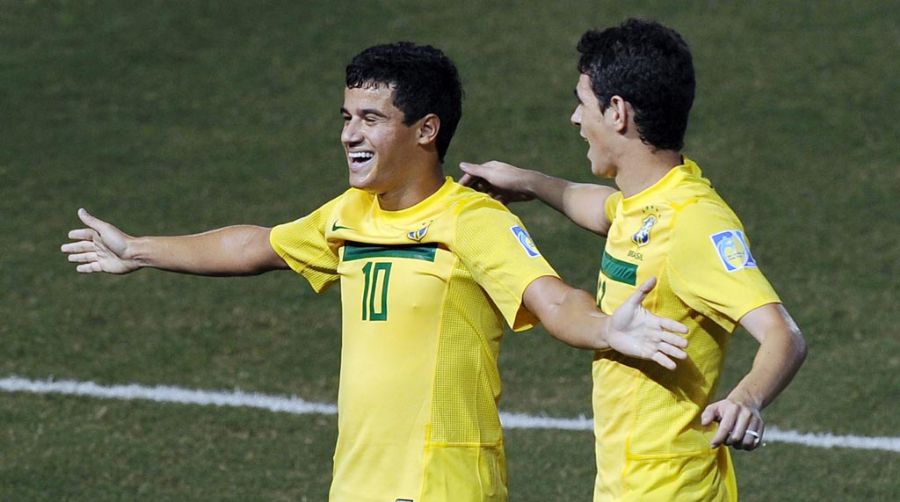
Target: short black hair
[(648, 65), (423, 78)]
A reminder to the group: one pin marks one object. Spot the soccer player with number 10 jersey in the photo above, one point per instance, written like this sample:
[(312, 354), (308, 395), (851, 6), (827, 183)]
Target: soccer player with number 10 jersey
[(429, 272)]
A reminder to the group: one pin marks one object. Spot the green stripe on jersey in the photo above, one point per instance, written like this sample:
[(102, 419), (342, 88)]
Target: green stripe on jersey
[(359, 251), (619, 270)]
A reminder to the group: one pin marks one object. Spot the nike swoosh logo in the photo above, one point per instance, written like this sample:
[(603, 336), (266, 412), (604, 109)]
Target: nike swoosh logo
[(335, 227)]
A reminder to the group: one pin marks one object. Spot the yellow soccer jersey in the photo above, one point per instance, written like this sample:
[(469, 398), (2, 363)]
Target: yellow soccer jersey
[(649, 441), (425, 292)]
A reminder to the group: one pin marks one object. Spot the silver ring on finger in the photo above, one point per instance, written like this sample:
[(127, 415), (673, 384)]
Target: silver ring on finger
[(756, 437)]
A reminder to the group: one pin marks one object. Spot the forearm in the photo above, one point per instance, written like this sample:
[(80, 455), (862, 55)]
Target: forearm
[(549, 189), (778, 359), (234, 250), (579, 323), (574, 319), (583, 203), (571, 316)]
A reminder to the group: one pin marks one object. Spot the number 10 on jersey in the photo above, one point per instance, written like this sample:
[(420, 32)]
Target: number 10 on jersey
[(375, 291)]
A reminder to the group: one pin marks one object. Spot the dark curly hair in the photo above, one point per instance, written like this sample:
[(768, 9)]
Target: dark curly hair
[(648, 65), (424, 81)]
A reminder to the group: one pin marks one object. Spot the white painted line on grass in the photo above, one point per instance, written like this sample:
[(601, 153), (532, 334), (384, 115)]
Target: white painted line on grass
[(295, 405), (828, 440), (523, 421), (166, 394)]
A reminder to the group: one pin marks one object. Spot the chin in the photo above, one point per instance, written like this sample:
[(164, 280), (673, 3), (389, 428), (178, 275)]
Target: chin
[(363, 184), (360, 186), (603, 171), (359, 180)]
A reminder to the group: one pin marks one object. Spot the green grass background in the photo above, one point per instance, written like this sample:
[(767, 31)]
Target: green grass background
[(175, 117)]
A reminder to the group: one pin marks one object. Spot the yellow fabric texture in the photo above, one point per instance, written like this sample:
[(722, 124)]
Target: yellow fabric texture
[(425, 292), (649, 441)]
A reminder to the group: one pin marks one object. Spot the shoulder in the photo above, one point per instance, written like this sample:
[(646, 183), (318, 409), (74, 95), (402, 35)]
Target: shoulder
[(465, 199), (478, 218), (471, 207), (707, 229), (696, 203), (324, 212), (701, 211), (700, 215)]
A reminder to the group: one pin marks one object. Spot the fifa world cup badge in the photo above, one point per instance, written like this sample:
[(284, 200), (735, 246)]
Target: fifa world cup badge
[(733, 250), (525, 241)]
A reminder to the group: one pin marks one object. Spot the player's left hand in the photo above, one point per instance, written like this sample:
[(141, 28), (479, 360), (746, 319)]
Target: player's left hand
[(740, 424), (503, 182), (635, 332)]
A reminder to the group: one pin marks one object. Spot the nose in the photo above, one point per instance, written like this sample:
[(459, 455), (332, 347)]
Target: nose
[(575, 119), (350, 134)]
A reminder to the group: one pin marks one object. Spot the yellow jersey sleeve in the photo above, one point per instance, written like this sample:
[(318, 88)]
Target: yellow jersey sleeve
[(495, 247), (610, 206), (711, 268), (303, 246)]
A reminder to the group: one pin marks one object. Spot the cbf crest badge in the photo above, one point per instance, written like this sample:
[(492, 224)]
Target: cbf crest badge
[(642, 236), (732, 248)]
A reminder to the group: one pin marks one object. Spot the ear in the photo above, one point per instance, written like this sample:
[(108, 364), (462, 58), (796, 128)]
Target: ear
[(618, 113), (429, 125)]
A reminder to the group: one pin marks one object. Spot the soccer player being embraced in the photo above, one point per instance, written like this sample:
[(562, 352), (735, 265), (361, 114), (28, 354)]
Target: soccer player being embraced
[(655, 439), (429, 272)]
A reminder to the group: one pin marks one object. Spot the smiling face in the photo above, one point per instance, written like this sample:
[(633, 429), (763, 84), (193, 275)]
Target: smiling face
[(594, 128), (380, 149)]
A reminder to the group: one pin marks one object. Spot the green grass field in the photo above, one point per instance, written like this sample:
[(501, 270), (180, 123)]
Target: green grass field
[(176, 117)]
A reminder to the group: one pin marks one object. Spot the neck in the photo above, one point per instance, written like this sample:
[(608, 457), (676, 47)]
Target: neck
[(643, 168), (413, 190)]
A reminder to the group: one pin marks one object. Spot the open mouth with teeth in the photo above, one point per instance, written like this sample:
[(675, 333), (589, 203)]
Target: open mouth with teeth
[(360, 158)]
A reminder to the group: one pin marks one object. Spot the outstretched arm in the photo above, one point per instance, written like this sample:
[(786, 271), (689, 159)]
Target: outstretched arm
[(583, 203), (781, 351), (570, 315), (234, 250)]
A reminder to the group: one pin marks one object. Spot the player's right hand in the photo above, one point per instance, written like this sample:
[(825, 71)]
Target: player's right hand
[(99, 248)]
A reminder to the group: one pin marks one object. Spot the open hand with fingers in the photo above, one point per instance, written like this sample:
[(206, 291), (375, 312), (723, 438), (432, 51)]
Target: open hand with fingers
[(101, 247), (636, 332), (740, 425)]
